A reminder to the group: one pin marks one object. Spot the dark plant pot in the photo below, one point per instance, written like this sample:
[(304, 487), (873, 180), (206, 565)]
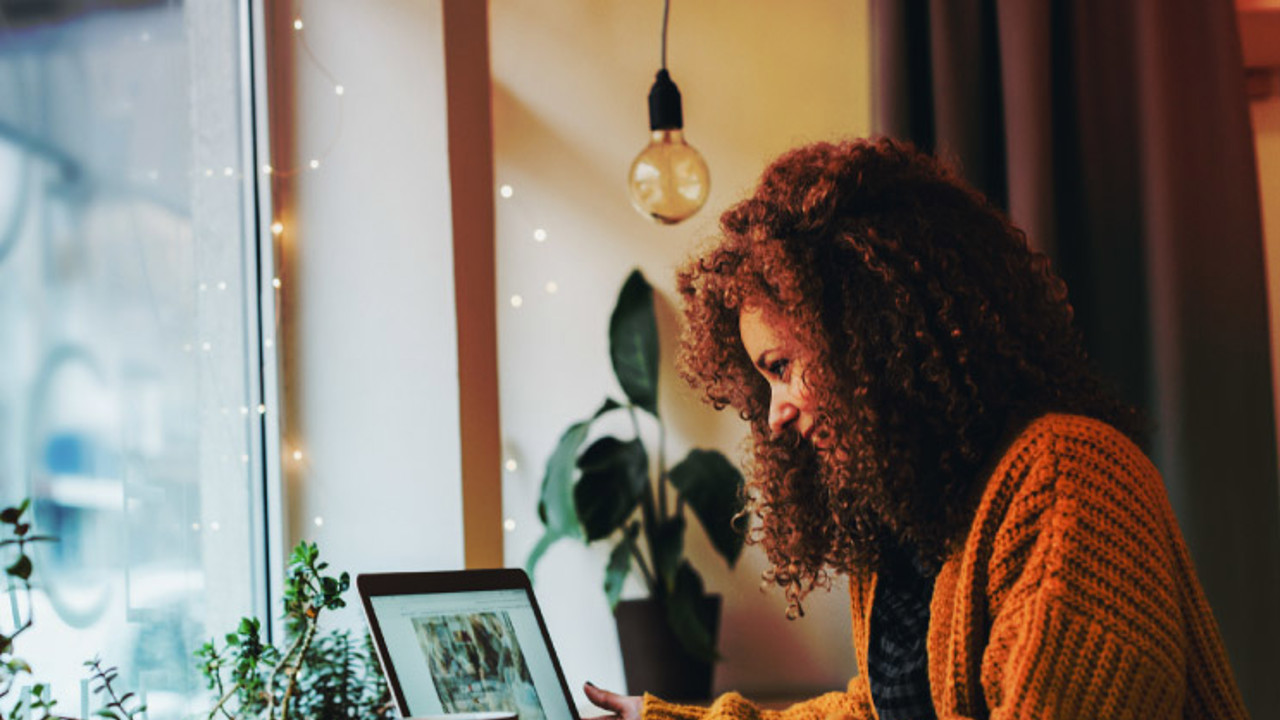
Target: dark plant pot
[(653, 658)]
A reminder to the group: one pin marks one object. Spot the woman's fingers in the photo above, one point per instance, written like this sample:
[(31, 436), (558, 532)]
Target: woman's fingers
[(603, 698), (626, 707)]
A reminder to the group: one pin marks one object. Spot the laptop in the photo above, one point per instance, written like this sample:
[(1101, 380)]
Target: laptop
[(470, 644)]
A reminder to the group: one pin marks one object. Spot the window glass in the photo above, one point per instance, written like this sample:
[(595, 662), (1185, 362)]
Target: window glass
[(127, 390)]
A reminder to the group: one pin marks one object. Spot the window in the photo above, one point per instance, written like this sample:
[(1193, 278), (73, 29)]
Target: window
[(130, 380)]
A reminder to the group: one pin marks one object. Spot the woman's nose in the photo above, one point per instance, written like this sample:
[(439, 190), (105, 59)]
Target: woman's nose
[(781, 412)]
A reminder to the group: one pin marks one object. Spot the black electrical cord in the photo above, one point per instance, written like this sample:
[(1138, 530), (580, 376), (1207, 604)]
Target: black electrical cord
[(666, 10), (665, 112)]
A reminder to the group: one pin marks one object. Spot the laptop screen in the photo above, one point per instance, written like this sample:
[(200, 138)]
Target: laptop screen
[(470, 652)]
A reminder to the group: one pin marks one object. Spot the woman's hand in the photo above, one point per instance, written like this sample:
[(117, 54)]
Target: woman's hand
[(625, 707)]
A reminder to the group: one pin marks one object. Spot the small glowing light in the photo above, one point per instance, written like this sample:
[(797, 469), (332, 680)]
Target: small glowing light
[(208, 172), (204, 286), (275, 282), (297, 23), (277, 227), (509, 525), (511, 466), (206, 346), (552, 287), (267, 169), (195, 527), (262, 409), (244, 409), (297, 454), (214, 526), (222, 285), (315, 164), (268, 343), (339, 89), (228, 171), (540, 235), (244, 458), (319, 521), (516, 301), (506, 191)]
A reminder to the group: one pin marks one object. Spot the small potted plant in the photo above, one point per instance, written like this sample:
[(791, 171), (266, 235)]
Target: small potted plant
[(611, 491), (315, 675)]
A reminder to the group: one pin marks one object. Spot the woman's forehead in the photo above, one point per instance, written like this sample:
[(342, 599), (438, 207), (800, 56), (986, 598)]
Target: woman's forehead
[(764, 327)]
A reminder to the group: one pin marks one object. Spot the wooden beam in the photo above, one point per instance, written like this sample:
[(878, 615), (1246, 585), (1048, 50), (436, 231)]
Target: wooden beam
[(466, 49)]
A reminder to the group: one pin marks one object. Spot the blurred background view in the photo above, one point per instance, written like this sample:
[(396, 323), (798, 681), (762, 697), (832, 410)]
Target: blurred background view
[(274, 270)]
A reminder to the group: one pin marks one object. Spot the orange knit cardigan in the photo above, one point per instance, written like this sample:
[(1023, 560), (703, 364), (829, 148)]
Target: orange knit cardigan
[(1073, 597)]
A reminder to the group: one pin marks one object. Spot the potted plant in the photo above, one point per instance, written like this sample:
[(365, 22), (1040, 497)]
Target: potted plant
[(314, 675), (610, 491)]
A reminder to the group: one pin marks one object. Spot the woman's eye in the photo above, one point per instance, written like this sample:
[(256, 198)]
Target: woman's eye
[(778, 368)]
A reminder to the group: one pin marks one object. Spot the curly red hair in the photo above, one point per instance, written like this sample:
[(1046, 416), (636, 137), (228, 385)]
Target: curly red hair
[(931, 331)]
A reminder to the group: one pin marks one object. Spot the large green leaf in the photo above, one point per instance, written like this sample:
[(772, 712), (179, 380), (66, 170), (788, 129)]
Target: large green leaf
[(548, 538), (712, 486), (614, 476), (682, 615), (633, 342), (619, 565), (555, 506), (668, 550)]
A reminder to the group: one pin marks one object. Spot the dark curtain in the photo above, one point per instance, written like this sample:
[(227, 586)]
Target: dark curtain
[(1117, 134)]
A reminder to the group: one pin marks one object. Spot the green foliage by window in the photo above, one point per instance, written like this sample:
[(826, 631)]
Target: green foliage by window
[(317, 676), (611, 490), (39, 704)]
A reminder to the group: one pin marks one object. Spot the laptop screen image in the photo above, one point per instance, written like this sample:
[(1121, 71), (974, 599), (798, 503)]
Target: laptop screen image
[(466, 652)]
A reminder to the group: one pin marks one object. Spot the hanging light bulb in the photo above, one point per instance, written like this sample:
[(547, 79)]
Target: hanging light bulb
[(669, 180)]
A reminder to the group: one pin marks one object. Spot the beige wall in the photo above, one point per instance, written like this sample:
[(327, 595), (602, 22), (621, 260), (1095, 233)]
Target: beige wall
[(570, 80)]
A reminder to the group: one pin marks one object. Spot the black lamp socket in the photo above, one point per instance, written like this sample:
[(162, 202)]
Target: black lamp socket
[(664, 104)]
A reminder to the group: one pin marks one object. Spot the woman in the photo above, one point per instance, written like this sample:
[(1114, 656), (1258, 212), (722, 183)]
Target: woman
[(925, 422)]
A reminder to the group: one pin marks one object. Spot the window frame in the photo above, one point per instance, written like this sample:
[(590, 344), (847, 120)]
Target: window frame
[(268, 509)]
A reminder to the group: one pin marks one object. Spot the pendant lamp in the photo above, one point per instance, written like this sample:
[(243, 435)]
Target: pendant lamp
[(669, 180)]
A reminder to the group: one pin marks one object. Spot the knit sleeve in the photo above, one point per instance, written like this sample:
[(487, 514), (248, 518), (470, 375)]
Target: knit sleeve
[(854, 704), (1085, 591)]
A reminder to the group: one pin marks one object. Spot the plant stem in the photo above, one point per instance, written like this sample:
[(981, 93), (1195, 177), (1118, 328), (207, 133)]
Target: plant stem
[(279, 667), (308, 635), (223, 701), (647, 509), (662, 469), (106, 683), (217, 679), (19, 631), (644, 567)]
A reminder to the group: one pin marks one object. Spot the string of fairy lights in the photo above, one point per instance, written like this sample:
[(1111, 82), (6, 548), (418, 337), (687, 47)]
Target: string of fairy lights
[(297, 462), (539, 234), (519, 302), (339, 92)]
